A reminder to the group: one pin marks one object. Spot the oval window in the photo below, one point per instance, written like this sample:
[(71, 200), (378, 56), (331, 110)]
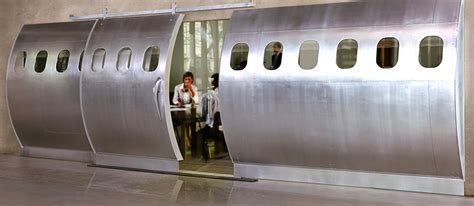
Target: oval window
[(98, 60), (123, 60), (347, 54), (308, 57), (20, 61), (273, 55), (151, 59), (80, 61), (387, 53), (40, 63), (63, 61), (239, 56), (431, 51)]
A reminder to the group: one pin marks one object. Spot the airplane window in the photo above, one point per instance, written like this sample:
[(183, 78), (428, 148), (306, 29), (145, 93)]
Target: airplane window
[(273, 55), (387, 53), (347, 53), (80, 61), (63, 61), (20, 61), (431, 52), (98, 60), (124, 59), (239, 56), (40, 63), (151, 59), (309, 52)]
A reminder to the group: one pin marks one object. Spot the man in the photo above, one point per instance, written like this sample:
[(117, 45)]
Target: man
[(210, 101), (276, 58), (210, 108), (185, 93)]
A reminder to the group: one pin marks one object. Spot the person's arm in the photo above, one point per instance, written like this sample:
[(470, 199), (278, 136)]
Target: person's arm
[(176, 95), (196, 96), (216, 101)]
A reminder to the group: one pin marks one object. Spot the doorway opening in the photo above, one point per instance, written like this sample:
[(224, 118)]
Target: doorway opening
[(194, 97)]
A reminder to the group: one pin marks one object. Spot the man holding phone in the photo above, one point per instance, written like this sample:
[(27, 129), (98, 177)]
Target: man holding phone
[(185, 93)]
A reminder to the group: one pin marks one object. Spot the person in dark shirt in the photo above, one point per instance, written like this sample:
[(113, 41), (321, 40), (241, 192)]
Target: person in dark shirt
[(276, 58), (241, 66)]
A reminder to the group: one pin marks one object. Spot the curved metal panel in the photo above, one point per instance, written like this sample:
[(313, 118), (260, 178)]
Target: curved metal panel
[(124, 111), (400, 120), (44, 107)]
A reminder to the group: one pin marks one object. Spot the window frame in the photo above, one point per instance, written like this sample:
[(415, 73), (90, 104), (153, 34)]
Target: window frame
[(246, 57), (397, 52), (58, 60), (129, 60), (317, 54), (441, 54), (265, 52), (23, 61), (145, 59), (103, 60), (356, 53)]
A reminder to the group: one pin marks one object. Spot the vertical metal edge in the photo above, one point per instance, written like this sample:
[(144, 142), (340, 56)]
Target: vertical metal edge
[(9, 68), (226, 32), (80, 89), (168, 120), (459, 84)]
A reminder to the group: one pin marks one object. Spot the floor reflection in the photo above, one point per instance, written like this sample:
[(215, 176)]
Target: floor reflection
[(29, 181)]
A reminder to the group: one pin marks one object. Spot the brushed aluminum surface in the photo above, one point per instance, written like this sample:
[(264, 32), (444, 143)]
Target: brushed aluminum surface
[(129, 161), (44, 107), (399, 121), (59, 154), (449, 186), (126, 113)]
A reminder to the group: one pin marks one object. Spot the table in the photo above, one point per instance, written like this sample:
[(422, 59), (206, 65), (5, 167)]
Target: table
[(185, 119)]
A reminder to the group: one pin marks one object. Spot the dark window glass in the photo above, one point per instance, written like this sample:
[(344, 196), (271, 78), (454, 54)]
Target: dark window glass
[(347, 54), (273, 55), (239, 56), (387, 53), (431, 51), (151, 59), (80, 61), (40, 63), (63, 61)]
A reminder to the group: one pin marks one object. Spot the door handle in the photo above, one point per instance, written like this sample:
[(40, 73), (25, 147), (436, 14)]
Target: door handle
[(157, 96)]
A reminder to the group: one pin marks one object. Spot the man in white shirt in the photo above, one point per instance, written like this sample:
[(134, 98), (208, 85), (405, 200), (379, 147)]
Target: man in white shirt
[(210, 101), (186, 93)]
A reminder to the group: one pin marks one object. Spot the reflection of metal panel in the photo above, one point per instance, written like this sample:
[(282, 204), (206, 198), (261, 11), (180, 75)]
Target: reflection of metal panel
[(365, 119), (124, 111), (44, 107)]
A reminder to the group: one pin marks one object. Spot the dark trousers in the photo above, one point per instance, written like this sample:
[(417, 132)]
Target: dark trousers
[(213, 133)]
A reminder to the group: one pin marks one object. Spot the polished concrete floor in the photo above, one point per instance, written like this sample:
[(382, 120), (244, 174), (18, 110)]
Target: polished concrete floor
[(29, 181), (218, 166)]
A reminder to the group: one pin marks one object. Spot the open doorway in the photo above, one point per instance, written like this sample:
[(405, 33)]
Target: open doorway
[(196, 120)]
